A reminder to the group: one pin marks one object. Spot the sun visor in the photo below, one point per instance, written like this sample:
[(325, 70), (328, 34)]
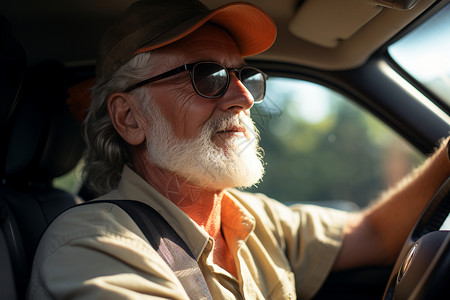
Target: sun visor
[(327, 22)]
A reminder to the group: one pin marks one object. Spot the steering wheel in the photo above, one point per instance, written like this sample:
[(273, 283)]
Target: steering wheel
[(422, 270)]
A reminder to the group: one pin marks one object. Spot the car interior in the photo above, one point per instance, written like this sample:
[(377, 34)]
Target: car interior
[(345, 46)]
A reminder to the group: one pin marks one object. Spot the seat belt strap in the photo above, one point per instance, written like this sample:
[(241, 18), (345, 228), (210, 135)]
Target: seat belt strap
[(169, 245)]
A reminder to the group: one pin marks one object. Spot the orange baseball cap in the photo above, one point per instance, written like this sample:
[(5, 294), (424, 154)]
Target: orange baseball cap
[(150, 24)]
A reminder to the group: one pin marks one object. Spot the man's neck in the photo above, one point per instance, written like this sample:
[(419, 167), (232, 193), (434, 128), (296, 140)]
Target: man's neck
[(202, 206)]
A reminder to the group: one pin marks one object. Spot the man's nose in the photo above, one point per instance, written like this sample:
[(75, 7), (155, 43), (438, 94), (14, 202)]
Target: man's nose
[(237, 97)]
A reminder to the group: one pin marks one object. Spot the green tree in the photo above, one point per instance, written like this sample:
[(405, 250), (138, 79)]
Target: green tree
[(340, 157)]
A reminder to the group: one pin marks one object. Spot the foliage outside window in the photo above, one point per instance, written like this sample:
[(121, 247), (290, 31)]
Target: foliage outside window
[(319, 146)]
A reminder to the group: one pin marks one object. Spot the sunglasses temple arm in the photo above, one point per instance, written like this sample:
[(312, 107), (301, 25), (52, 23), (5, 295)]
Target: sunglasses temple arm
[(156, 78)]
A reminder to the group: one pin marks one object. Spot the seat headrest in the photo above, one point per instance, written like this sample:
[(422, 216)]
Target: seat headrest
[(12, 69), (46, 139)]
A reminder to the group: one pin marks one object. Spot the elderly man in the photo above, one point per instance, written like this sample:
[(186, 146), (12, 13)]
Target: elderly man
[(169, 126)]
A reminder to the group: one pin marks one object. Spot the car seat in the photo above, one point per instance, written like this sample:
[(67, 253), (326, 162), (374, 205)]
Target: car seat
[(41, 140)]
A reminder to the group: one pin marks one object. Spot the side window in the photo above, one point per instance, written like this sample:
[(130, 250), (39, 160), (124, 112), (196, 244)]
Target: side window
[(320, 147), (72, 181)]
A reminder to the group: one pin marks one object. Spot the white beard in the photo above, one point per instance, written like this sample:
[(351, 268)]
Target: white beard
[(236, 163)]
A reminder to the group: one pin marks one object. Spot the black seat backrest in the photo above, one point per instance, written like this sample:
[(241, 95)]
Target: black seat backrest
[(12, 70), (42, 141)]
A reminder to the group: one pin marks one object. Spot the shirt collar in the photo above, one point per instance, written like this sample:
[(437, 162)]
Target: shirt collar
[(237, 222)]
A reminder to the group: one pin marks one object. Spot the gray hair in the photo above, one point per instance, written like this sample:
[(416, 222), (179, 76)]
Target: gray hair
[(106, 151)]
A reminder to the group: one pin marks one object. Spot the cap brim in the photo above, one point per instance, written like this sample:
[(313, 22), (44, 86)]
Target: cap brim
[(250, 27)]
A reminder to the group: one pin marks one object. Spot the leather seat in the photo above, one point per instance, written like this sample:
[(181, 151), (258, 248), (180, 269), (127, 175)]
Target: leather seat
[(41, 140)]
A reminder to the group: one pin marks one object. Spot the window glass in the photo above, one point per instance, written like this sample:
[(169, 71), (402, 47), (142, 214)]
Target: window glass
[(72, 181), (424, 54), (446, 224), (321, 147)]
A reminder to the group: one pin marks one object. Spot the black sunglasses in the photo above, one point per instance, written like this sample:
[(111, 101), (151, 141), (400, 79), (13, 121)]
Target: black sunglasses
[(211, 79)]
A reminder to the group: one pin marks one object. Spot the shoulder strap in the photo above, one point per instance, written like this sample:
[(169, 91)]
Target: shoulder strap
[(168, 244)]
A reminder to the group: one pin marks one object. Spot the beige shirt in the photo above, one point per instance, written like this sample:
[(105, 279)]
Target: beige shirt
[(98, 252)]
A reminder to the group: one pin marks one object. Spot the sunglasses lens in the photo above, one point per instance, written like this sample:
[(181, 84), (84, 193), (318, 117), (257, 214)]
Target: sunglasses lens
[(210, 79), (254, 81)]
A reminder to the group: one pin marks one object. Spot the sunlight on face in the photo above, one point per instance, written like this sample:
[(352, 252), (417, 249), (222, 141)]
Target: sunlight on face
[(235, 163)]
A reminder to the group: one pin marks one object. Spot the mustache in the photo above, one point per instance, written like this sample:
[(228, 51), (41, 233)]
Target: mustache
[(230, 122)]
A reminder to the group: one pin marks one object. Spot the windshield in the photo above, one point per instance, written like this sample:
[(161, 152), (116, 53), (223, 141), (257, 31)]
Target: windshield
[(425, 54)]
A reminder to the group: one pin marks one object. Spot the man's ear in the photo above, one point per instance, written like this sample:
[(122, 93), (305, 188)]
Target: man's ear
[(121, 109)]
